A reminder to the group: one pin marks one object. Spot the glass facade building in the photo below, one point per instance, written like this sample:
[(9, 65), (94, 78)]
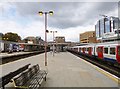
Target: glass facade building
[(97, 30), (102, 26), (107, 27)]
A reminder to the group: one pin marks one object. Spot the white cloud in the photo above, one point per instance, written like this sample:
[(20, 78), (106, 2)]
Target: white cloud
[(33, 29), (85, 13), (73, 33), (36, 28)]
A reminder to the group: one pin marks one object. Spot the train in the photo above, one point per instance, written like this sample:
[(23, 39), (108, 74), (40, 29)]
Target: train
[(108, 51), (6, 46)]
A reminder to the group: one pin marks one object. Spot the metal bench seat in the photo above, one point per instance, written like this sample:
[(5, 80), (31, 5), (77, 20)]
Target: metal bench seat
[(30, 79)]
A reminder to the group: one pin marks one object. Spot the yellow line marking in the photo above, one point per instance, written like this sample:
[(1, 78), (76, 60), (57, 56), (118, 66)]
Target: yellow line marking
[(109, 75), (113, 77)]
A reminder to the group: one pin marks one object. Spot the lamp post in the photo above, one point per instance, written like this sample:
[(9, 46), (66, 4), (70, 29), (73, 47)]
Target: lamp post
[(53, 40), (45, 13)]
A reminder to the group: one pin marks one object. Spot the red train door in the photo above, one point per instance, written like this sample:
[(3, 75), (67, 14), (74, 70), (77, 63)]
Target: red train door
[(100, 52), (90, 51), (83, 49), (118, 54)]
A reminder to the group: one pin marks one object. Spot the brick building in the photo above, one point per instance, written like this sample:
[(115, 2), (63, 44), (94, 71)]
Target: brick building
[(88, 37)]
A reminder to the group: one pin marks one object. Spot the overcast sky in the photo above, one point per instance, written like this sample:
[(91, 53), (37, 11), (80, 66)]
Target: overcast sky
[(69, 19)]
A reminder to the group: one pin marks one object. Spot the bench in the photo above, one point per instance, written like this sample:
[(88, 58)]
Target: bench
[(30, 79), (7, 78)]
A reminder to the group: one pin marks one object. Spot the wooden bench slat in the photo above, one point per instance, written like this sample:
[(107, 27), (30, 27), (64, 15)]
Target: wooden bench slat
[(33, 77)]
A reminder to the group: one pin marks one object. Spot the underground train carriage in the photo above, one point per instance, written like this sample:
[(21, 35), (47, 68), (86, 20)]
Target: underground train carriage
[(7, 46), (106, 52)]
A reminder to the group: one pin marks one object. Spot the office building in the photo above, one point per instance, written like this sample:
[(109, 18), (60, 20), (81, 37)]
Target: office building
[(88, 37), (107, 28)]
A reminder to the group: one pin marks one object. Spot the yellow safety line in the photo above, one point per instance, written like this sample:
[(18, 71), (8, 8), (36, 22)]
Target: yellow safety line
[(104, 72), (109, 75)]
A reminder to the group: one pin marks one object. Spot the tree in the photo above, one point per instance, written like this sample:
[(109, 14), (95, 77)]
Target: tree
[(1, 36), (14, 37)]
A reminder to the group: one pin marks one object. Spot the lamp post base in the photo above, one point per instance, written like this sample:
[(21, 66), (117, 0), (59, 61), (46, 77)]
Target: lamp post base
[(45, 63)]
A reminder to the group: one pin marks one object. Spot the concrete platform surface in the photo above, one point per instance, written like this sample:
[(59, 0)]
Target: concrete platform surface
[(64, 70)]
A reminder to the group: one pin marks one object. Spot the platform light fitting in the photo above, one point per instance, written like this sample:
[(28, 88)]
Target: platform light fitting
[(40, 13), (51, 12)]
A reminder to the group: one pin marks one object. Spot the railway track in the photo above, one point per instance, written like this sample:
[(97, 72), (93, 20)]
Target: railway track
[(8, 59), (113, 70)]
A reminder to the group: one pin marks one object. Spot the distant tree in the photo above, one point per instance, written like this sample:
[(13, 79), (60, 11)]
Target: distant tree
[(26, 40), (14, 37), (1, 36)]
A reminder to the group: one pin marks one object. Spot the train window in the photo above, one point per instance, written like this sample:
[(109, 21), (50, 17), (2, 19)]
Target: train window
[(91, 49), (99, 49), (106, 50), (80, 49), (112, 51), (83, 49), (87, 49), (119, 50)]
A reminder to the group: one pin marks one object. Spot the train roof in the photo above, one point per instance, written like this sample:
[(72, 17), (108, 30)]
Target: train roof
[(28, 44), (111, 42), (98, 44), (9, 42)]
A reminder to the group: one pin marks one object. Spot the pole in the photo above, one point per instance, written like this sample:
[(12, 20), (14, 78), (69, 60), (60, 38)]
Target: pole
[(45, 39), (118, 28), (53, 44)]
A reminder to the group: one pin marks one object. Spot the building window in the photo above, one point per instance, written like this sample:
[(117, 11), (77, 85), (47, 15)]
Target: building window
[(97, 30), (101, 27), (112, 51), (107, 26), (106, 50), (117, 31), (115, 23)]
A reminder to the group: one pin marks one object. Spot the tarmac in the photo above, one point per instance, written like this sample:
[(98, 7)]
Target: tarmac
[(64, 70)]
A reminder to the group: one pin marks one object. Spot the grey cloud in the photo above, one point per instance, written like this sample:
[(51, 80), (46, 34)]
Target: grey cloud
[(67, 14)]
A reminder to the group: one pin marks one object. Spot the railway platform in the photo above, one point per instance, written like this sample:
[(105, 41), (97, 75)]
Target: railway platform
[(65, 70), (11, 54)]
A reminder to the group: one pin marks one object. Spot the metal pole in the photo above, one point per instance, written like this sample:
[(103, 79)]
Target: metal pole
[(45, 39), (53, 44), (118, 28)]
